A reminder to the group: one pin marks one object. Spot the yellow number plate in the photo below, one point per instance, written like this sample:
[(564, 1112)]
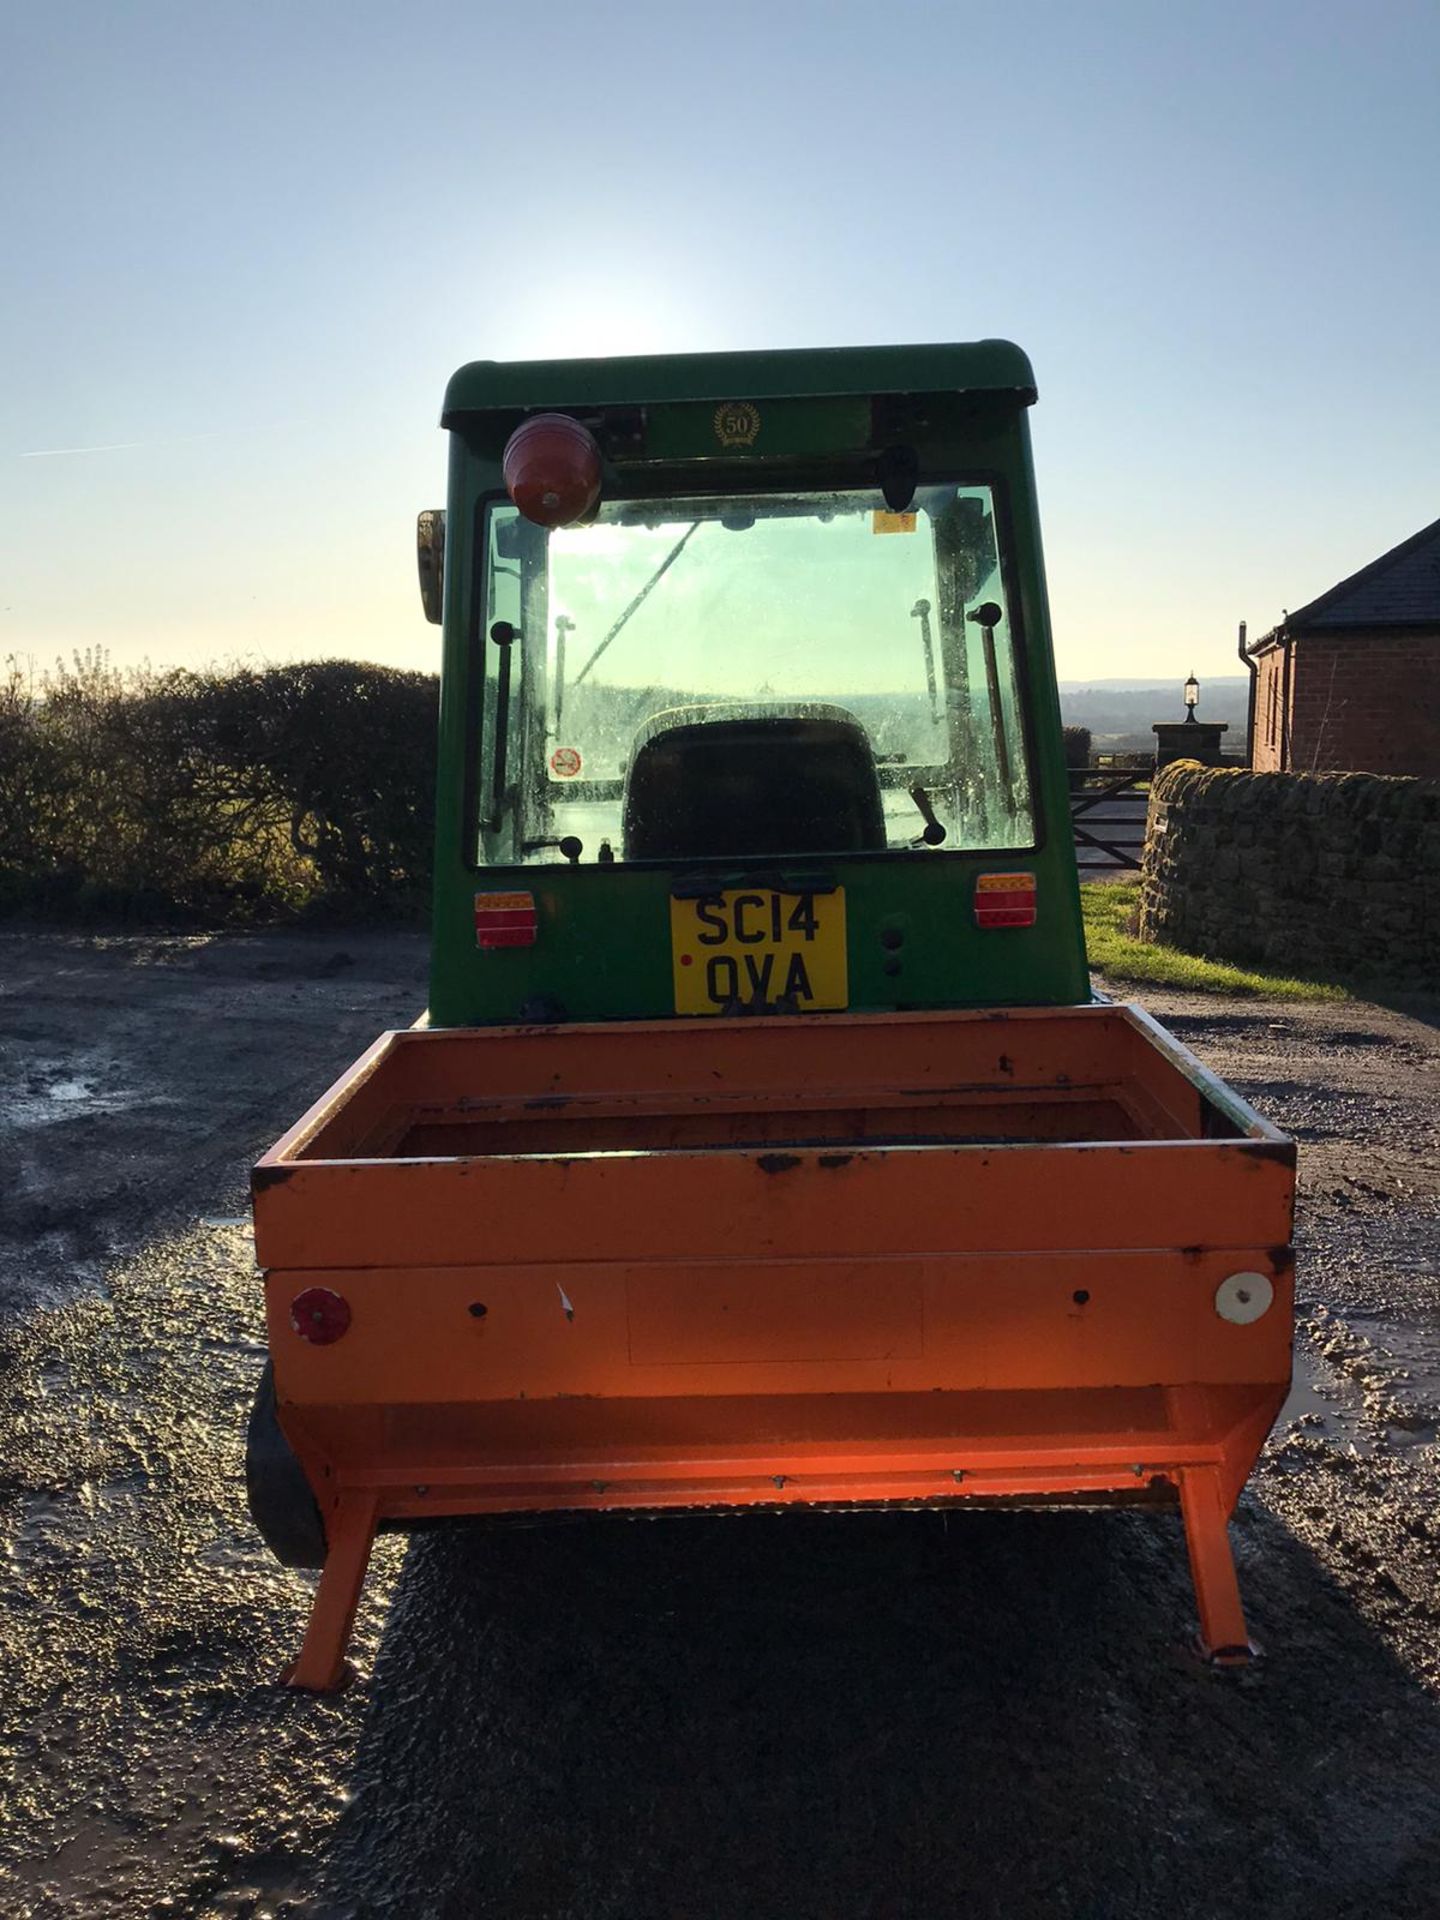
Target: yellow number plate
[(735, 951)]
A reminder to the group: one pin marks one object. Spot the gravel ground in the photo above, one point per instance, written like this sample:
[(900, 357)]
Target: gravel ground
[(808, 1716)]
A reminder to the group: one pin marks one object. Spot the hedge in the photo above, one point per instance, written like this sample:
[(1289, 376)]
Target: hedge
[(215, 797)]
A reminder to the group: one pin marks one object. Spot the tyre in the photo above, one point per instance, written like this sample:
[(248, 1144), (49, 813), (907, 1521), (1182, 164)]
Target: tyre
[(281, 1503)]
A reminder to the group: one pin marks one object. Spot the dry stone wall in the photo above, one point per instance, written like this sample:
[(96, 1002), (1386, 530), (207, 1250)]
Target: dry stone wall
[(1328, 874)]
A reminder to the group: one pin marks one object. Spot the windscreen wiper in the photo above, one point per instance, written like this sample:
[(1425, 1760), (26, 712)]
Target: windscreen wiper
[(921, 612), (987, 618), (504, 636), (563, 625), (644, 593)]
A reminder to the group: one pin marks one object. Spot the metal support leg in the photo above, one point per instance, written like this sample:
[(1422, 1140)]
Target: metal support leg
[(1224, 1639), (322, 1666)]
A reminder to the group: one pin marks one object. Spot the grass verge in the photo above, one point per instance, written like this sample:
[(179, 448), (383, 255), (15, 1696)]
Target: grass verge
[(1110, 907)]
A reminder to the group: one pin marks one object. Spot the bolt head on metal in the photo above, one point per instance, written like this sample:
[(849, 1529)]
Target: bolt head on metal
[(1244, 1297)]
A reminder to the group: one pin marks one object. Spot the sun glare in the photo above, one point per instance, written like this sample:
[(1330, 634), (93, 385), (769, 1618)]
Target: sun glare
[(579, 314)]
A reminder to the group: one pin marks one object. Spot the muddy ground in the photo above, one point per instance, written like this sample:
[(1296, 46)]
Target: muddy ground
[(793, 1717)]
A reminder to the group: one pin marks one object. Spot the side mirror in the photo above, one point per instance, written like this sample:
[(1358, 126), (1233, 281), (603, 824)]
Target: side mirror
[(430, 554)]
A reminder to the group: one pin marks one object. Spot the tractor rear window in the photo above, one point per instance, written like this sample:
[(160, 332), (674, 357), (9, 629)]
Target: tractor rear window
[(752, 674)]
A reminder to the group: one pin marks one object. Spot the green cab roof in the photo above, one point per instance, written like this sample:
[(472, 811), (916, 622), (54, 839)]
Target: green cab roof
[(495, 386)]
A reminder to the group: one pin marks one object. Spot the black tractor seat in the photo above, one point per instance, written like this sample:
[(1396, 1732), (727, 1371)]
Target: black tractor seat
[(726, 781)]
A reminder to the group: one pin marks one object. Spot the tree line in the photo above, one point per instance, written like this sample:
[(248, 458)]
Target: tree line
[(221, 797), (214, 797)]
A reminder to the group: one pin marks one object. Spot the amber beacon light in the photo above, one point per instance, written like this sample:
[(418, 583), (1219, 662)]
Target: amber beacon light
[(552, 470)]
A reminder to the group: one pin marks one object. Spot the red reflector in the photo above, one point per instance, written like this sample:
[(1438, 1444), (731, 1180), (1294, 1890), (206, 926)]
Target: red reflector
[(319, 1316), (1005, 900), (505, 920)]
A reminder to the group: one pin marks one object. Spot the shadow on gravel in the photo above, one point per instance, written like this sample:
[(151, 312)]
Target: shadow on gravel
[(885, 1715), (1424, 1007)]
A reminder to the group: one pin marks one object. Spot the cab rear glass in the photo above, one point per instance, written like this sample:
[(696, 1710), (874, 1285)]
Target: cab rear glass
[(724, 675)]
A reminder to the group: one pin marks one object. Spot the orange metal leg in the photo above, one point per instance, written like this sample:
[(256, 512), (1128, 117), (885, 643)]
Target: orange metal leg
[(322, 1667), (1224, 1638)]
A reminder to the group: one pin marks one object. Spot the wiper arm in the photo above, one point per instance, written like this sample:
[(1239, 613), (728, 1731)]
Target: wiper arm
[(987, 618), (644, 594), (921, 612), (504, 636)]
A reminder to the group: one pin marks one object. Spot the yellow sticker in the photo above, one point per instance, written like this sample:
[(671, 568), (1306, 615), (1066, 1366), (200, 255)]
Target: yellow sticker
[(883, 522)]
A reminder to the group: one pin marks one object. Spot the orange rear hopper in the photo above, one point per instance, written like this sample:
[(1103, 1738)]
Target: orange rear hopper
[(913, 1259)]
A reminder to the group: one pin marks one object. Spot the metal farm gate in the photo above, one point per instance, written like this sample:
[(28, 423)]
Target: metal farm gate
[(1108, 806)]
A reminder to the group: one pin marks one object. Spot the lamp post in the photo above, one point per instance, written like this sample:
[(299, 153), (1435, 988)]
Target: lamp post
[(1189, 739)]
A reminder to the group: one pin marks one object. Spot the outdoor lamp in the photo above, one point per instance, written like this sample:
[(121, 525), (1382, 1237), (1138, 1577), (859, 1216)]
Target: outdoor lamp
[(1192, 694)]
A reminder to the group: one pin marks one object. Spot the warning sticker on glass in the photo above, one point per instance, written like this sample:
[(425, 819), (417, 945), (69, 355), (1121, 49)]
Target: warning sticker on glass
[(883, 522), (565, 763)]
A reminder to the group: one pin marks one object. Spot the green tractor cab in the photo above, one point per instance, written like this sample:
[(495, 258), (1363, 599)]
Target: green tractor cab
[(762, 726)]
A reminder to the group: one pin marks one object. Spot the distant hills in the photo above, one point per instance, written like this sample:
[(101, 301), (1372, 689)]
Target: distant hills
[(1120, 713), (602, 720)]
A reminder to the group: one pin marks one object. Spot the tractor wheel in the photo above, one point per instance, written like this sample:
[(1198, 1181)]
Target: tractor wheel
[(281, 1503)]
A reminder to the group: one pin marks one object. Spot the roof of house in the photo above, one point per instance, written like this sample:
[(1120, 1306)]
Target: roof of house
[(1400, 589)]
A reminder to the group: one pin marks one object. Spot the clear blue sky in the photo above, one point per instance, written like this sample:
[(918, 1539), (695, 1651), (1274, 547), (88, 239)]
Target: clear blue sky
[(244, 246)]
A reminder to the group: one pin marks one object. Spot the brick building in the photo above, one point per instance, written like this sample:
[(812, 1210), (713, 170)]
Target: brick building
[(1352, 681)]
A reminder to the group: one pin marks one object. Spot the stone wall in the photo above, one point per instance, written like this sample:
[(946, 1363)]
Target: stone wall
[(1329, 873)]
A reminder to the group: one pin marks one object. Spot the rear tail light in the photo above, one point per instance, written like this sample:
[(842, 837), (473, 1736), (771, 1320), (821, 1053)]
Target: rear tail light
[(1005, 900), (505, 920), (320, 1316)]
